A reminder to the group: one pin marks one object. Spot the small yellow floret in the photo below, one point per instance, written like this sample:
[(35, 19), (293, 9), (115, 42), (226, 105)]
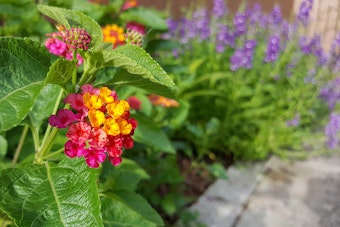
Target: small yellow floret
[(111, 127), (125, 126), (96, 117), (105, 95), (92, 101)]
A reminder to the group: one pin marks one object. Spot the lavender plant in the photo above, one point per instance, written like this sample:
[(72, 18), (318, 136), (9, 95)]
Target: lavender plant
[(251, 80)]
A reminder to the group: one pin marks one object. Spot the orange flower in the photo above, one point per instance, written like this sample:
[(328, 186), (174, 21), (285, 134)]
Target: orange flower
[(129, 4), (158, 100)]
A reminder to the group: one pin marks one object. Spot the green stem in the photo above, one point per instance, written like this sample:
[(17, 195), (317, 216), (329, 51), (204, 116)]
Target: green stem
[(49, 128), (49, 135), (21, 143), (53, 154), (46, 146)]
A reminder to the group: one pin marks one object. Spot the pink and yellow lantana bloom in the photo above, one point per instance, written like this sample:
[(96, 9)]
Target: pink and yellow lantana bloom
[(99, 125)]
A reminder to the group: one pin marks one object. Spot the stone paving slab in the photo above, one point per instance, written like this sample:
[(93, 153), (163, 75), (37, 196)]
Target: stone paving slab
[(275, 194), (298, 194), (222, 203)]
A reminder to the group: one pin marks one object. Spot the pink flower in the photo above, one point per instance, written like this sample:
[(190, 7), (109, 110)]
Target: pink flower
[(80, 60), (90, 128), (98, 138), (62, 119), (79, 132), (55, 46), (134, 103), (115, 160), (128, 142), (140, 28), (88, 88), (74, 149), (114, 146), (94, 156), (75, 100)]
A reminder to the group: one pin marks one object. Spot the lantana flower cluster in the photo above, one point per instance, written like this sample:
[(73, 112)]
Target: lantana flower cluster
[(64, 42), (99, 125)]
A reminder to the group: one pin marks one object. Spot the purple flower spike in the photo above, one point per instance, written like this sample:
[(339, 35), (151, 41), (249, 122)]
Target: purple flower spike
[(305, 8), (331, 131), (219, 8), (273, 49)]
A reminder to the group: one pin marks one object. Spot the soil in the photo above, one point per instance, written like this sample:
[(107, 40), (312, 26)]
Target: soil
[(197, 179)]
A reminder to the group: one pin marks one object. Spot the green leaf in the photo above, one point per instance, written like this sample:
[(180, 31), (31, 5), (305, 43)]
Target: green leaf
[(126, 176), (23, 67), (141, 70), (3, 146), (149, 134), (70, 18), (61, 71), (44, 105), (126, 208), (63, 194), (147, 17)]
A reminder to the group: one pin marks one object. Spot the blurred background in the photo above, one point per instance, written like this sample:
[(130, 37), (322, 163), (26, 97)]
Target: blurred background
[(325, 15)]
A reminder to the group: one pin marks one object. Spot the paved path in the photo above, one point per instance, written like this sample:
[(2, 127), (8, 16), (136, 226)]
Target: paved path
[(275, 194)]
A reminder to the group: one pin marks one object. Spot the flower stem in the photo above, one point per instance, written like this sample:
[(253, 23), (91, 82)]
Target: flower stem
[(49, 135), (54, 153), (21, 143), (46, 145)]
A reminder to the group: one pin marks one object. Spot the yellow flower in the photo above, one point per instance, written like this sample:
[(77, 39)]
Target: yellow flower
[(96, 118), (111, 127), (113, 34), (116, 110), (92, 101)]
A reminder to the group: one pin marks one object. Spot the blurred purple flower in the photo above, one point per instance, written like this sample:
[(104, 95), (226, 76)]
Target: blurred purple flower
[(304, 10), (273, 49), (313, 47), (243, 57), (240, 24), (331, 93), (335, 54), (219, 9), (331, 131), (224, 37), (295, 121), (275, 16)]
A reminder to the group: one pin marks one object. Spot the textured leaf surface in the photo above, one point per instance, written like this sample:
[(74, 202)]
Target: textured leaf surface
[(61, 71), (23, 68), (128, 209), (70, 18), (51, 195), (142, 70)]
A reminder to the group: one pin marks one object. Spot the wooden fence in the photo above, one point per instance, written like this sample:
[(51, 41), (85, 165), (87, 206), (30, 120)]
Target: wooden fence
[(325, 20)]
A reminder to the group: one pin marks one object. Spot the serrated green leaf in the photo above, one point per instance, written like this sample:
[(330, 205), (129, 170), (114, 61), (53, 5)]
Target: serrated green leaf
[(141, 70), (126, 208), (23, 67), (149, 134), (51, 195), (44, 105), (148, 17), (70, 18), (61, 71)]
